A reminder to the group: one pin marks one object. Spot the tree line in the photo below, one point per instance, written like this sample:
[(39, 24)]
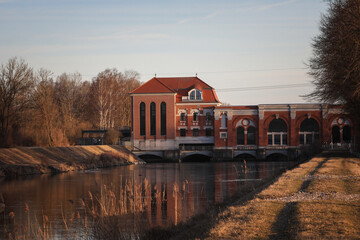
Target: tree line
[(38, 108)]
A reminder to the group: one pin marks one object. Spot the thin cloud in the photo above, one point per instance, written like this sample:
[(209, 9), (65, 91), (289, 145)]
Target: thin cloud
[(268, 6), (206, 17), (129, 36)]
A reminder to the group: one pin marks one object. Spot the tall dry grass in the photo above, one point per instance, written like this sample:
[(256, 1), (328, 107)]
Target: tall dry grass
[(114, 212)]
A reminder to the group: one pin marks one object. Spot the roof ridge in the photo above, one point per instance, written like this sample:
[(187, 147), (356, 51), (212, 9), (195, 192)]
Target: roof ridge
[(164, 84)]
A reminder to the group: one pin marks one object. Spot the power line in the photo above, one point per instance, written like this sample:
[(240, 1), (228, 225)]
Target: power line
[(214, 72), (239, 71), (263, 87)]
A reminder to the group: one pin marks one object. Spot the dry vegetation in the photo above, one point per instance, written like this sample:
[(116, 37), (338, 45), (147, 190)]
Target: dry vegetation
[(111, 213), (36, 160), (40, 109), (320, 199)]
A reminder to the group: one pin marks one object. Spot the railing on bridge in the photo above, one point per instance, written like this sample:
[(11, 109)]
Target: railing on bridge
[(337, 146), (195, 147)]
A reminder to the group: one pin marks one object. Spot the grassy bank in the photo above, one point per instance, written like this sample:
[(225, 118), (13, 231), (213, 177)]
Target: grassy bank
[(320, 199), (39, 160)]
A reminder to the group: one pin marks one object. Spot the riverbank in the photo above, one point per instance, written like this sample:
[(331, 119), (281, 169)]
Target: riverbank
[(39, 160), (320, 199)]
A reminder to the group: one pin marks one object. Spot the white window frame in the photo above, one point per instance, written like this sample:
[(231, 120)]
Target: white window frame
[(223, 135)]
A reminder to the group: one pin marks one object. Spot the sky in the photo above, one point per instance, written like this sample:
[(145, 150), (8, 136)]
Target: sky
[(233, 45)]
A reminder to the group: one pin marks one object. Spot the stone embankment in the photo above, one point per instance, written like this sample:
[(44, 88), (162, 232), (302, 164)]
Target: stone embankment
[(320, 199), (38, 160)]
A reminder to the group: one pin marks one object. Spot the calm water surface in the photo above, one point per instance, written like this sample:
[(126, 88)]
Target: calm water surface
[(197, 186)]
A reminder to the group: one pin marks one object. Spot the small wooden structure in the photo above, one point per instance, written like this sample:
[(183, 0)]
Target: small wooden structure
[(92, 137)]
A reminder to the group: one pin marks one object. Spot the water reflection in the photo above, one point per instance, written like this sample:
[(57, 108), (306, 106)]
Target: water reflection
[(168, 193)]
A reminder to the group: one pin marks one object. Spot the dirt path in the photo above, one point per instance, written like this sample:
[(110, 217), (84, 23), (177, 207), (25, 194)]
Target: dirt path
[(320, 199)]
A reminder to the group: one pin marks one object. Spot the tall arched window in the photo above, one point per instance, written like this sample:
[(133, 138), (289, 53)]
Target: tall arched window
[(309, 131), (240, 136), (335, 134), (163, 118), (346, 134), (251, 136), (277, 133), (223, 121), (152, 119), (142, 119)]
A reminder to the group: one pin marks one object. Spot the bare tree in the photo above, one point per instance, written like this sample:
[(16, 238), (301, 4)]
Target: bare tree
[(110, 98), (44, 103), (335, 65), (16, 84)]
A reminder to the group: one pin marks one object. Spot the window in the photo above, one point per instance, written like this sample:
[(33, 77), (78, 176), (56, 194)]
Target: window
[(251, 136), (163, 118), (142, 119), (182, 132), (208, 132), (240, 136), (195, 117), (195, 132), (195, 95), (347, 134), (152, 119), (309, 131), (223, 134), (182, 117), (277, 133), (335, 134), (208, 117), (223, 121)]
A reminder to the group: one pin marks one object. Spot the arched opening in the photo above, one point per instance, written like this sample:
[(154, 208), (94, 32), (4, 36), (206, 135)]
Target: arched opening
[(152, 119), (196, 158), (347, 134), (163, 118), (335, 134), (276, 157), (309, 131), (150, 158), (277, 132), (245, 156), (251, 136), (142, 119), (240, 136)]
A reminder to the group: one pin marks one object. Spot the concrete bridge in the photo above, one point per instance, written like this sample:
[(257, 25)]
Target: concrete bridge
[(255, 153)]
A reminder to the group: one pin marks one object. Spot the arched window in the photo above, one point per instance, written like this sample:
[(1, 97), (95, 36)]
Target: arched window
[(208, 117), (142, 119), (251, 136), (240, 136), (277, 132), (152, 119), (182, 117), (195, 94), (347, 134), (335, 134), (163, 118), (223, 121), (309, 131), (195, 117)]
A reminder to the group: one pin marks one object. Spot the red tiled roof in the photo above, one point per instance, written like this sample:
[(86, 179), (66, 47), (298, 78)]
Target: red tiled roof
[(179, 85), (153, 86)]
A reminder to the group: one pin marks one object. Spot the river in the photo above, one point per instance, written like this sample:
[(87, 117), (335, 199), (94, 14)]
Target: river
[(164, 193)]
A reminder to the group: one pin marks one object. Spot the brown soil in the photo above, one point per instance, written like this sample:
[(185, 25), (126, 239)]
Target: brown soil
[(39, 160), (320, 199)]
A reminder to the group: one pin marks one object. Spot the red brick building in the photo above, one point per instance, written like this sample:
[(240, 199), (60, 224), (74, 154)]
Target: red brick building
[(184, 113)]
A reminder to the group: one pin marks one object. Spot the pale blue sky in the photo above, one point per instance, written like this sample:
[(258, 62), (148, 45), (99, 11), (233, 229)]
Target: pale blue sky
[(230, 44)]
